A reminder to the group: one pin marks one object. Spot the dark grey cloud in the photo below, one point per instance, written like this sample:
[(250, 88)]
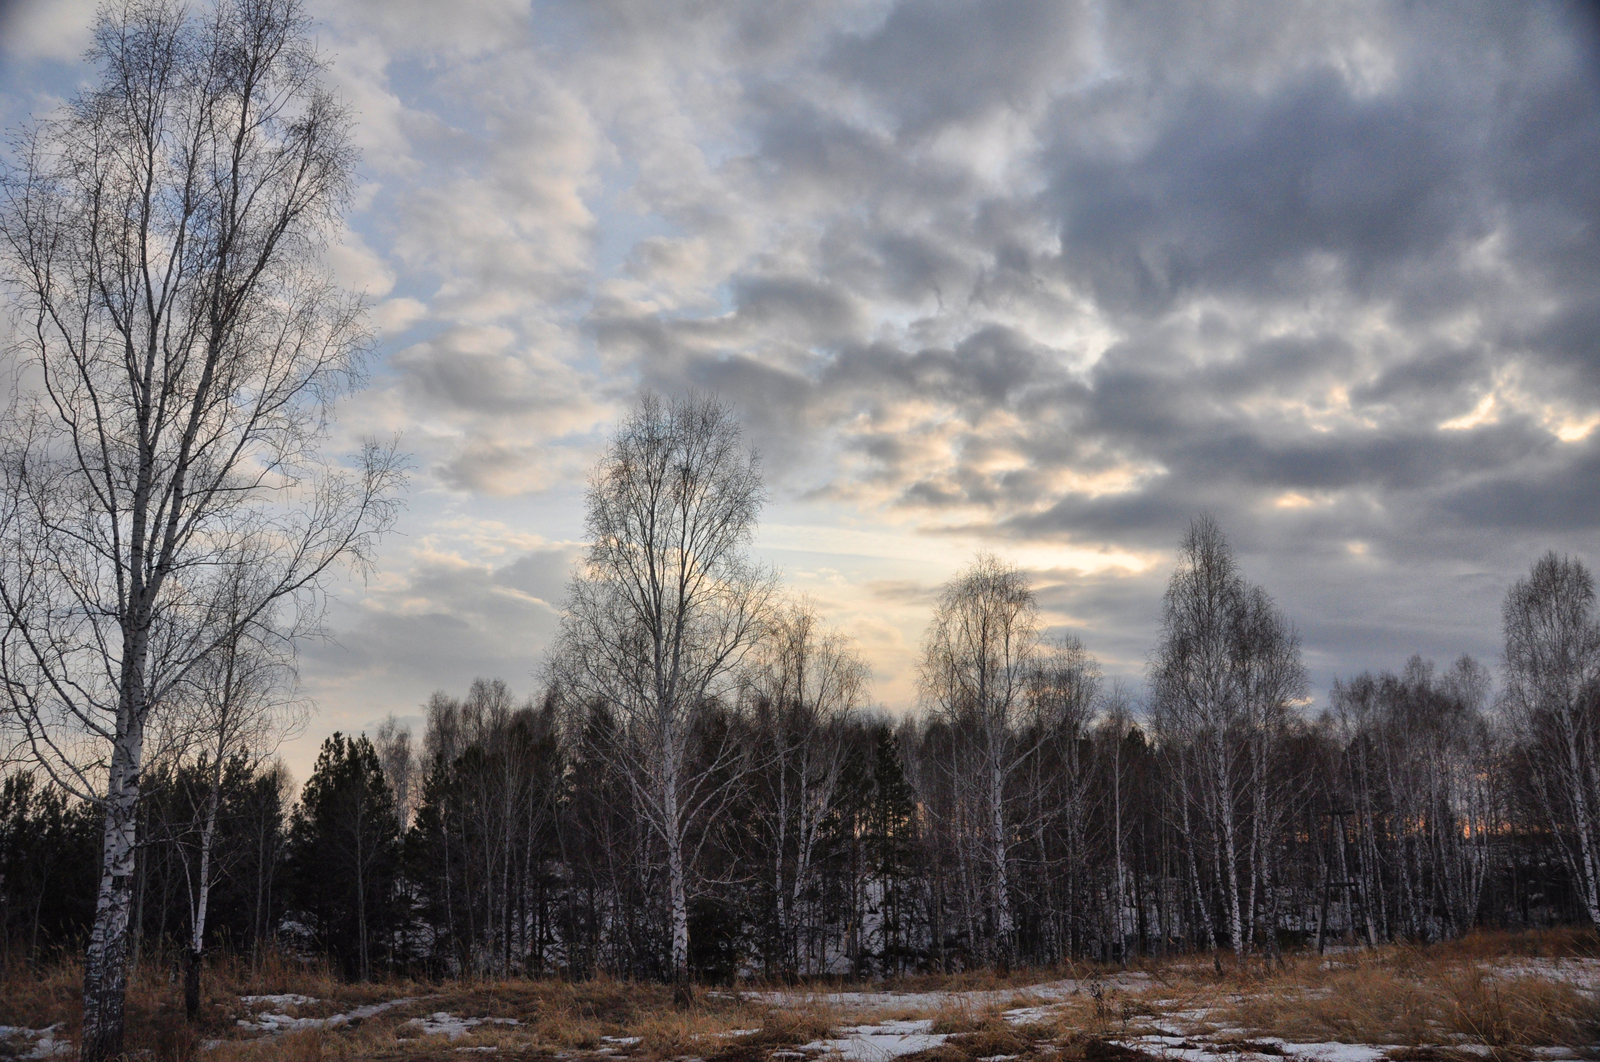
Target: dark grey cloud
[(931, 65), (803, 310), (1241, 194), (1555, 496), (453, 621)]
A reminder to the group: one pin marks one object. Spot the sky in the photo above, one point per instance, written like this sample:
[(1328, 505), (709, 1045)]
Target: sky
[(1041, 278)]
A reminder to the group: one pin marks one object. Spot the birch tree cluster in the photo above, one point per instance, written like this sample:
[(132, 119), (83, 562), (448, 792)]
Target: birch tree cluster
[(703, 788)]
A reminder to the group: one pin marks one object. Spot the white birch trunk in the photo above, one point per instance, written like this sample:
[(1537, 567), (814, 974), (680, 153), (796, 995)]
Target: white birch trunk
[(105, 970), (1225, 821), (998, 850), (202, 900), (1580, 808), (677, 881)]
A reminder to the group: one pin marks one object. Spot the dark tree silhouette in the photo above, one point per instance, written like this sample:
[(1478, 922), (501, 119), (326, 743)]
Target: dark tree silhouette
[(344, 853)]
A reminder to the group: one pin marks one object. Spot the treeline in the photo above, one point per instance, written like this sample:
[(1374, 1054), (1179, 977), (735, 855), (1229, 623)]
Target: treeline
[(703, 789), (50, 848), (507, 841), (1030, 814)]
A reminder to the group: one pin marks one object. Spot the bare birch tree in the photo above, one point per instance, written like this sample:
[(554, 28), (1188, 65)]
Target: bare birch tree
[(806, 682), (662, 613), (978, 660), (241, 703), (1222, 678), (1052, 810), (1552, 680), (1111, 737), (181, 345)]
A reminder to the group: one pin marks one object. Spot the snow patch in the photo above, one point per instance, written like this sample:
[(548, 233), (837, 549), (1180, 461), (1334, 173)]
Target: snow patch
[(285, 999), (876, 1043), (1183, 1049), (441, 1023), (1337, 1052), (45, 1044), (279, 1023), (1583, 974)]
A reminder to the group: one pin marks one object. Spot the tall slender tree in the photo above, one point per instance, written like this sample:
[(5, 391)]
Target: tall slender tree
[(978, 657), (1552, 691), (161, 236), (1222, 679), (661, 615), (243, 704), (804, 686)]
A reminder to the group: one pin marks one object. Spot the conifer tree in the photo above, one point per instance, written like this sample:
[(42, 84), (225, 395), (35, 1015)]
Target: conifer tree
[(344, 852)]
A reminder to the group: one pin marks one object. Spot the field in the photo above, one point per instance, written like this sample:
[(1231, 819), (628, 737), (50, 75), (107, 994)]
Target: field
[(1511, 997)]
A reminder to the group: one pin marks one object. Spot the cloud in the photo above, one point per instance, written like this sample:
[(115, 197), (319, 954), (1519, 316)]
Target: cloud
[(437, 619), (56, 30), (937, 65), (1045, 277)]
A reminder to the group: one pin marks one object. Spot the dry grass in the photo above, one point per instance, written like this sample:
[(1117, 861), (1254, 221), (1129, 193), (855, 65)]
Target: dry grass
[(553, 1017), (958, 1015), (975, 980), (1566, 942), (1411, 996), (37, 998), (1487, 989)]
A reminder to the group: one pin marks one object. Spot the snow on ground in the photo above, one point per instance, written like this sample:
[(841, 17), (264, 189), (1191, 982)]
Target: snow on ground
[(876, 1043), (1336, 1052), (441, 1023), (285, 999), (1583, 974), (45, 1044), (277, 1023)]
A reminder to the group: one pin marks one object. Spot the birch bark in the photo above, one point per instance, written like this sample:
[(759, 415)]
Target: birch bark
[(160, 241)]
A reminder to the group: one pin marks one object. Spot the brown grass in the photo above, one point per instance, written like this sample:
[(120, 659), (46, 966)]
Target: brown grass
[(1413, 996), (37, 998), (1430, 1000), (967, 1016)]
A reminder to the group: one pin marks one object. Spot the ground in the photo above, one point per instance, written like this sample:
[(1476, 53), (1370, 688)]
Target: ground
[(1506, 997)]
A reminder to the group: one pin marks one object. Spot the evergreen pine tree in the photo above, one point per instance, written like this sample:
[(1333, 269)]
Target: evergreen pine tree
[(344, 853), (892, 851)]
